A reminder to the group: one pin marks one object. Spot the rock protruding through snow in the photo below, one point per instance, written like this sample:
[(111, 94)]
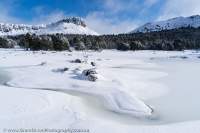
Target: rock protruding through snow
[(90, 74)]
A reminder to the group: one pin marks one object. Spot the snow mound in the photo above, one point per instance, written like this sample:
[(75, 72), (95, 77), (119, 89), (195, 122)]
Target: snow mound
[(123, 103)]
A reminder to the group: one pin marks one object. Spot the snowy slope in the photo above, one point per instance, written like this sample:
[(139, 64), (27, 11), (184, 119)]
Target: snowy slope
[(174, 23), (71, 25)]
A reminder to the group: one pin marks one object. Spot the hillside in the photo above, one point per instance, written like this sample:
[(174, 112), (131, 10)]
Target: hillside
[(174, 23), (71, 25)]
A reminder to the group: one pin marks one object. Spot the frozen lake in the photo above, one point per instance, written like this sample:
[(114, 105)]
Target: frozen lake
[(181, 103)]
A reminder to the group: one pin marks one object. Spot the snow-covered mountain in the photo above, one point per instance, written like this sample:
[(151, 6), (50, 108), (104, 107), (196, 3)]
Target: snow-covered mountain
[(174, 23), (70, 25)]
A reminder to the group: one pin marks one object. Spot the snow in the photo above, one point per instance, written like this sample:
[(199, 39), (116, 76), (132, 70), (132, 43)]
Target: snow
[(64, 27), (128, 87), (68, 28), (184, 92), (175, 23)]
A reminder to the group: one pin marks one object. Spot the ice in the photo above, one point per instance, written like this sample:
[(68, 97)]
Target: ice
[(127, 96)]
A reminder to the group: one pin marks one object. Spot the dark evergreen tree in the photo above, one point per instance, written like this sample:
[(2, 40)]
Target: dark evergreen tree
[(60, 43), (78, 44), (3, 43), (123, 46)]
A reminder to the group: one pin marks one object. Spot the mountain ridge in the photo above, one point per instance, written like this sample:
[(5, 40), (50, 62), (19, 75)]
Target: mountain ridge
[(67, 25), (173, 23)]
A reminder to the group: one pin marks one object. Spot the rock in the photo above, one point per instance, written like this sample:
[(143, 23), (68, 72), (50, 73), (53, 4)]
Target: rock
[(65, 69), (93, 64), (61, 70), (89, 71), (77, 61), (92, 77), (90, 74), (198, 57)]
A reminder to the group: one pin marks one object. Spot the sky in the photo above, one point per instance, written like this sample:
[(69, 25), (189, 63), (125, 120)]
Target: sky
[(103, 16)]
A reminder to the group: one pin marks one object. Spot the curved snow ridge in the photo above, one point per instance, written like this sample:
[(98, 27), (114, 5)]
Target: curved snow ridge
[(117, 101), (124, 103), (114, 100)]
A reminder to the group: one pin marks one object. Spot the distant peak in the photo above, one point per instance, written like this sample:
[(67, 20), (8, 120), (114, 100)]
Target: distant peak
[(173, 23), (67, 25), (73, 20)]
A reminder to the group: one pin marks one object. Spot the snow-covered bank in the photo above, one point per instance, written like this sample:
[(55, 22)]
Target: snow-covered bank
[(126, 79), (23, 108)]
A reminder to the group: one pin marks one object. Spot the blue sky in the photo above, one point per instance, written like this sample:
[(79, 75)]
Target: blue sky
[(104, 16)]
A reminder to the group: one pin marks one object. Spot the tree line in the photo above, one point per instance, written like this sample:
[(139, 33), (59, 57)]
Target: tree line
[(176, 39)]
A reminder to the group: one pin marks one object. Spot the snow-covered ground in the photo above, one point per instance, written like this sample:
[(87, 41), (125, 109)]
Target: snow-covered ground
[(130, 84)]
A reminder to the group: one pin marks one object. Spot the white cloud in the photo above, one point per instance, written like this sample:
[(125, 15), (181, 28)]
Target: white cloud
[(150, 3), (103, 25), (108, 20), (115, 6), (174, 8), (5, 16), (45, 19)]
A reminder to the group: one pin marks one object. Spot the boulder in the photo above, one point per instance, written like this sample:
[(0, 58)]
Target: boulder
[(92, 77), (90, 74), (77, 61)]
